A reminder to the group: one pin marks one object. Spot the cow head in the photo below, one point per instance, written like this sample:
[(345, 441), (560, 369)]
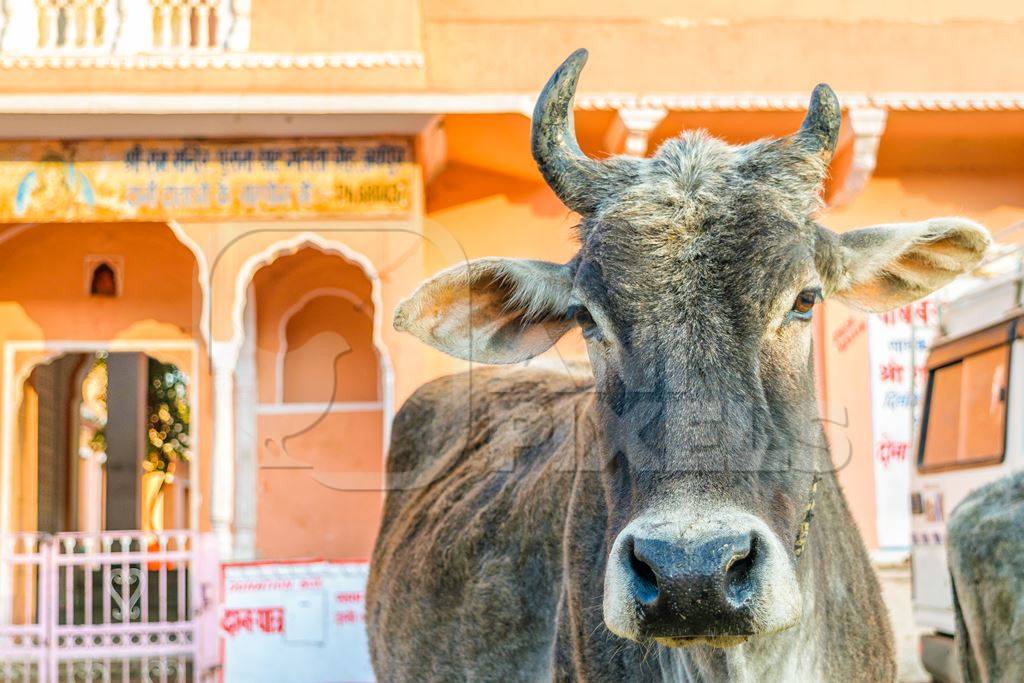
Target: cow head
[(696, 280)]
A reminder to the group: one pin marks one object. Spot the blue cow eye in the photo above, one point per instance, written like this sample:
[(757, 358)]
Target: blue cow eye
[(803, 307)]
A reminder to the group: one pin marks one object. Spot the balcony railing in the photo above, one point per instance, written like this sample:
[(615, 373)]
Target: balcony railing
[(123, 27)]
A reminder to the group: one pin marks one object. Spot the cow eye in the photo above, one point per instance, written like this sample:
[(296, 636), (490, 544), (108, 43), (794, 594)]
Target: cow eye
[(804, 304), (581, 316)]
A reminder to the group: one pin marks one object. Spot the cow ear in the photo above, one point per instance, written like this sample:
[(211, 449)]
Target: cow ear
[(491, 310), (886, 266)]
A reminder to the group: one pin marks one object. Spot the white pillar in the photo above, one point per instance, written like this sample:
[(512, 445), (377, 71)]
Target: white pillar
[(237, 38), (246, 398), (225, 358), (111, 25), (21, 26), (135, 27)]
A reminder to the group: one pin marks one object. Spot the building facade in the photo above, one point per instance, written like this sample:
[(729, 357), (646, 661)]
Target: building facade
[(209, 210)]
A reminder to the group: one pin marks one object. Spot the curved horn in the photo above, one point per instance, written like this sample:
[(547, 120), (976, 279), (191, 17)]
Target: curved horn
[(567, 170), (819, 132)]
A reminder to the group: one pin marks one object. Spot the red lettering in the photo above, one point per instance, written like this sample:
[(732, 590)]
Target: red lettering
[(271, 619), (348, 617), (889, 450), (264, 619), (892, 372)]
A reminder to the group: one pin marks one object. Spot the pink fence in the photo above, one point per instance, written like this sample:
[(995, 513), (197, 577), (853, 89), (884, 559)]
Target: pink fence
[(112, 606)]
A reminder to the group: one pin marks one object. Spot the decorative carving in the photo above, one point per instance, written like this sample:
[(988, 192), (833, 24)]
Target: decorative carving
[(910, 101), (867, 125), (164, 668), (90, 670), (119, 32), (962, 101), (245, 60), (130, 579), (635, 124)]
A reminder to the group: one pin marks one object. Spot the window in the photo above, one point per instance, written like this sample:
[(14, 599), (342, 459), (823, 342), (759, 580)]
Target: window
[(104, 281), (965, 410)]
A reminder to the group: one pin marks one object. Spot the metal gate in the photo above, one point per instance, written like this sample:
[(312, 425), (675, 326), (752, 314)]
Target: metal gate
[(111, 606)]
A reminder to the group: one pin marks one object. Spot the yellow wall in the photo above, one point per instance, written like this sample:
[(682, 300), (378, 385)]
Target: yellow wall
[(660, 45), (335, 25), (643, 46)]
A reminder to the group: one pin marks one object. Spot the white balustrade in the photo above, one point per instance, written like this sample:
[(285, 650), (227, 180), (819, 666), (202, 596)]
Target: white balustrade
[(123, 27)]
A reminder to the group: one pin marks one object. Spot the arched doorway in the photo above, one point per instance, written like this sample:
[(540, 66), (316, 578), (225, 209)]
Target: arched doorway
[(105, 444), (105, 514), (88, 288), (102, 525), (321, 406)]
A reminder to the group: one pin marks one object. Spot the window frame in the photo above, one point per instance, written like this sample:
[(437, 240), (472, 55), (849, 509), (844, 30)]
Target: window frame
[(1002, 334)]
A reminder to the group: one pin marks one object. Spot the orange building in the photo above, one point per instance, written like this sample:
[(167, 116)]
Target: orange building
[(240, 192)]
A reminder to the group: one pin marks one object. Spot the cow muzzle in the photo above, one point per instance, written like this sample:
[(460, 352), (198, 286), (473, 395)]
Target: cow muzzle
[(716, 584)]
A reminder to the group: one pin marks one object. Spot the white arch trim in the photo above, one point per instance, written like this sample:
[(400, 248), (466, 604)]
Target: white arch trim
[(292, 245), (204, 276), (282, 330)]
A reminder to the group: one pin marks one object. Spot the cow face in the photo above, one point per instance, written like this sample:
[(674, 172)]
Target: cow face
[(695, 285)]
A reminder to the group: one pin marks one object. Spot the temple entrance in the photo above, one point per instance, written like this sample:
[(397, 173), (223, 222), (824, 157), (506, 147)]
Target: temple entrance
[(102, 572), (111, 443)]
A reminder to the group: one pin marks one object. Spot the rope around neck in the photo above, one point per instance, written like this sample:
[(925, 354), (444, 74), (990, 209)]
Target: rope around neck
[(805, 525)]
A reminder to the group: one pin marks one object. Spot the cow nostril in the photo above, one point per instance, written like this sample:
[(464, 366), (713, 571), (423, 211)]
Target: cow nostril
[(737, 574), (646, 588)]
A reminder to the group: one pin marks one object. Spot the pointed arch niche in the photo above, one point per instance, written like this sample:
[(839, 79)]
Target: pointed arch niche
[(321, 388)]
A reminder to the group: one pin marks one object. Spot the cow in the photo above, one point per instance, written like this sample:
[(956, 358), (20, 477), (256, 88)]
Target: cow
[(671, 514), (985, 546)]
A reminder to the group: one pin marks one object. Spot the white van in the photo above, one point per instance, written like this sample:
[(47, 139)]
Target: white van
[(970, 434)]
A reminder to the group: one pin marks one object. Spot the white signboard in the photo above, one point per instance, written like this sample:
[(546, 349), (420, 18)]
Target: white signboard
[(302, 622), (898, 343)]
